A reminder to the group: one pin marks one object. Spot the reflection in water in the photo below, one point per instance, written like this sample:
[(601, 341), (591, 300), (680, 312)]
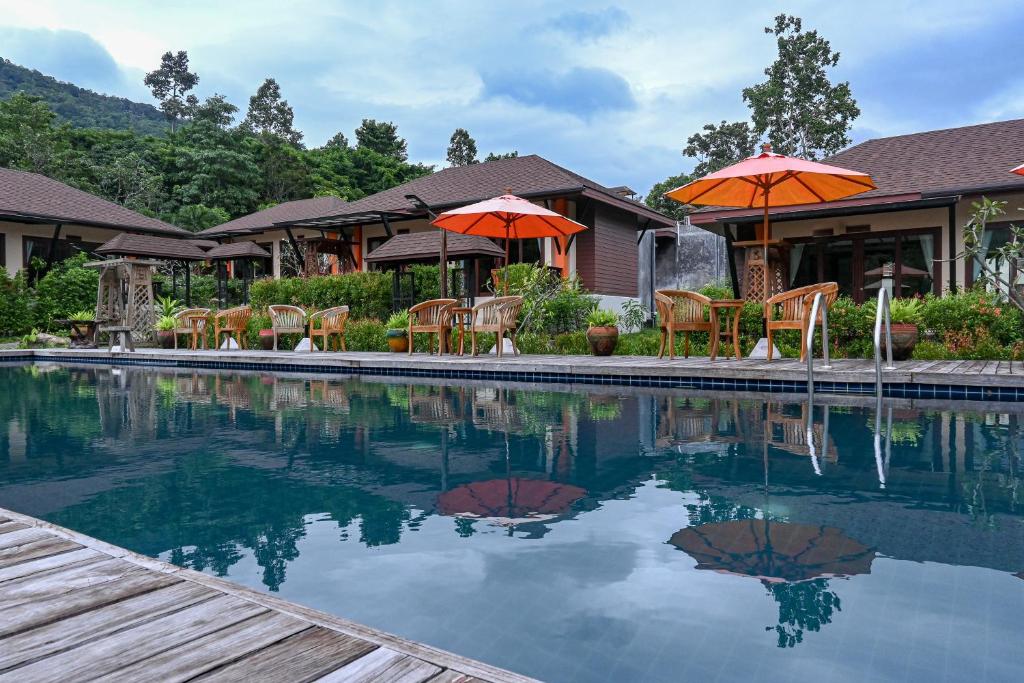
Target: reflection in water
[(379, 501)]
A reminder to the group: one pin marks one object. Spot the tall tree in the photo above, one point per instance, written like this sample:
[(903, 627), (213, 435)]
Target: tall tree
[(462, 148), (720, 145), (337, 141), (216, 110), (494, 156), (657, 200), (170, 82), (798, 108), (30, 140), (382, 137), (271, 115)]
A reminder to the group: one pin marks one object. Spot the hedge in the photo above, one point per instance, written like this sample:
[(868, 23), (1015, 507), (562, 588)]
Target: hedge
[(368, 295)]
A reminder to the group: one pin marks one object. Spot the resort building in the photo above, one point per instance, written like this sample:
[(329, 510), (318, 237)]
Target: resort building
[(605, 257), (927, 183), (43, 218)]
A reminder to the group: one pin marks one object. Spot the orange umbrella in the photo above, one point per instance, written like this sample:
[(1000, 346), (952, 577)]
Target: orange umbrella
[(1018, 170), (507, 217), (774, 551), (509, 501), (768, 179)]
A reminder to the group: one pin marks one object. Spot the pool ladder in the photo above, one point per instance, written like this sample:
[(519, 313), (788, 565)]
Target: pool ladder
[(882, 312), (816, 306)]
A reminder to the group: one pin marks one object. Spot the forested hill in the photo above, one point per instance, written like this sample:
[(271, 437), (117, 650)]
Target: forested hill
[(80, 107)]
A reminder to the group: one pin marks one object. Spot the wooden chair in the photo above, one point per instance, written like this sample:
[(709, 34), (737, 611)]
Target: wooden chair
[(681, 311), (499, 315), (794, 311), (432, 317), (191, 321), (232, 322), (332, 322), (285, 319)]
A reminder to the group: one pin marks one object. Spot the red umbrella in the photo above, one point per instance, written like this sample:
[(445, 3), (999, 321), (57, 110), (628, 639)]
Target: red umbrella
[(774, 551), (507, 217), (509, 501), (1018, 170)]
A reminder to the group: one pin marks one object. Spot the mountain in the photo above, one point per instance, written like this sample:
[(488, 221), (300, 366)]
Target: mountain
[(80, 107)]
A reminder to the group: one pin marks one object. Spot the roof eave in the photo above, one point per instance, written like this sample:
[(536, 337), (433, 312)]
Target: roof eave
[(18, 217)]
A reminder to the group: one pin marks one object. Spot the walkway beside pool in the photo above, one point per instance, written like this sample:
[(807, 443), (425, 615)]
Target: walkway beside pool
[(968, 380), (75, 608)]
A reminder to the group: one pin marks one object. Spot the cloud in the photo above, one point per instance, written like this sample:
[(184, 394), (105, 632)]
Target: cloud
[(589, 25), (582, 91), (70, 56)]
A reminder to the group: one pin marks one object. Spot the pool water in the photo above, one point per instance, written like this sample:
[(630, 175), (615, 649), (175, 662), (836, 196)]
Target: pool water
[(611, 535)]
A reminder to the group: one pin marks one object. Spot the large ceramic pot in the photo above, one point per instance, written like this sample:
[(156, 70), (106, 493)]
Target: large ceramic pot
[(603, 339), (904, 339), (398, 340), (267, 340), (165, 338)]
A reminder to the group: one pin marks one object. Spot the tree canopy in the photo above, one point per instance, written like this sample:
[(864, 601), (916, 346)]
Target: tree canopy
[(170, 82), (462, 148), (382, 137)]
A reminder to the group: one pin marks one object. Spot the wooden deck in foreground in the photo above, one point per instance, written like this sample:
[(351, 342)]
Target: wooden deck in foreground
[(75, 609)]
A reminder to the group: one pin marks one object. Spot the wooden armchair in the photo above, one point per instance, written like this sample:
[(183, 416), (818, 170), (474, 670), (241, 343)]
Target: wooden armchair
[(433, 317), (681, 311), (285, 319), (332, 322), (232, 322), (499, 315), (794, 311), (191, 321)]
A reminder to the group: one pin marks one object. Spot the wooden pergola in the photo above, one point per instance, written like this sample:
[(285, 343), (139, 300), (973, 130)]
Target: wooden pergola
[(246, 252)]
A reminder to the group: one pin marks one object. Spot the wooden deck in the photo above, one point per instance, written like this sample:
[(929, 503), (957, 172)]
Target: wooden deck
[(567, 368), (75, 609)]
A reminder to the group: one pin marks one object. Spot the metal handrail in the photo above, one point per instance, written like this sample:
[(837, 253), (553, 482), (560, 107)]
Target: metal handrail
[(815, 307), (882, 462), (882, 308)]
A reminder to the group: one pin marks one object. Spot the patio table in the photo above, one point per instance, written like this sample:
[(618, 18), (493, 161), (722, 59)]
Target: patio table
[(462, 317), (727, 311)]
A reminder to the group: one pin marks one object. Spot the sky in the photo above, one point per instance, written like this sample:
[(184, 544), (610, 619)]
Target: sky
[(610, 90)]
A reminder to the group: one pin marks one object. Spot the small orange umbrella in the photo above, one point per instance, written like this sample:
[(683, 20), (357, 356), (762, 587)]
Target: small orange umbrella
[(509, 501), (507, 217), (768, 179), (1019, 170)]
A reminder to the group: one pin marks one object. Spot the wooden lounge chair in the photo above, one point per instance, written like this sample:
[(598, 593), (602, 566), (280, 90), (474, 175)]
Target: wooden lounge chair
[(500, 315), (191, 321), (232, 322), (332, 322), (433, 317), (794, 311), (285, 319), (681, 311)]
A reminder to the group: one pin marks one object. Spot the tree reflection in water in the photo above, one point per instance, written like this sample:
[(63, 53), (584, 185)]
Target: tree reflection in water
[(805, 605)]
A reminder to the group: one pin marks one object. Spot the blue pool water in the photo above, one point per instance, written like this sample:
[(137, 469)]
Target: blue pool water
[(619, 534)]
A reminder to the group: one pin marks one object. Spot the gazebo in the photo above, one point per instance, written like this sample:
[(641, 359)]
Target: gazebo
[(425, 247), (162, 248), (245, 252)]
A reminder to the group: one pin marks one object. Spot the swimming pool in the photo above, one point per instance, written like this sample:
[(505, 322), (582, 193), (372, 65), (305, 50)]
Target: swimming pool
[(613, 534)]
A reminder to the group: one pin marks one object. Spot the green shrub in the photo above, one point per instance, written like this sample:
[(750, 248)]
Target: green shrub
[(258, 321), (572, 344), (643, 343), (530, 342), (399, 320), (366, 335), (165, 323), (717, 290), (368, 295), (602, 318), (15, 304), (67, 288)]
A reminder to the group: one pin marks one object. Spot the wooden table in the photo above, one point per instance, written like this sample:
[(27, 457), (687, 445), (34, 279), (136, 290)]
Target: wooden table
[(461, 315), (728, 310)]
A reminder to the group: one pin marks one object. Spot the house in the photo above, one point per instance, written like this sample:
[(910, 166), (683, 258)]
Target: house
[(605, 257), (914, 221), (43, 218)]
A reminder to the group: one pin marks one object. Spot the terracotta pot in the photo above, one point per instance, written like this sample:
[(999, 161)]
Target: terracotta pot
[(398, 340), (165, 338), (602, 340), (267, 340), (904, 339)]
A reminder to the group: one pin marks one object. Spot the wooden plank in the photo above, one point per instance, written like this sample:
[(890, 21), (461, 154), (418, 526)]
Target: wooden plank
[(383, 664), (39, 610), (27, 535), (31, 550), (8, 526), (301, 657), (34, 644), (451, 676), (44, 563), (204, 654), (57, 582), (106, 655)]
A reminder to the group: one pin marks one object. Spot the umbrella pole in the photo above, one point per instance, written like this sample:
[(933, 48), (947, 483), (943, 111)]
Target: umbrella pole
[(764, 256), (508, 223), (444, 263)]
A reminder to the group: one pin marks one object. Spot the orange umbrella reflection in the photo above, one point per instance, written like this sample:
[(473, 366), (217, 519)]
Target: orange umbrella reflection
[(774, 551), (511, 501)]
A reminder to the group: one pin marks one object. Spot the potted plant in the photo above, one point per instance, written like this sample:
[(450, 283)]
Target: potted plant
[(167, 306), (267, 339), (398, 331), (165, 331), (602, 332), (83, 328), (905, 315)]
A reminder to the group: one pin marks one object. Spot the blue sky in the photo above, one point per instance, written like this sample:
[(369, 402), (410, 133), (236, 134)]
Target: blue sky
[(610, 90)]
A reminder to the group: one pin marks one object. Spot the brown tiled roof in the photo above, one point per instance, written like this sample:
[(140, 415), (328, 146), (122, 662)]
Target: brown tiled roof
[(33, 197), (422, 246), (172, 248), (967, 160), (237, 250), (287, 212)]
